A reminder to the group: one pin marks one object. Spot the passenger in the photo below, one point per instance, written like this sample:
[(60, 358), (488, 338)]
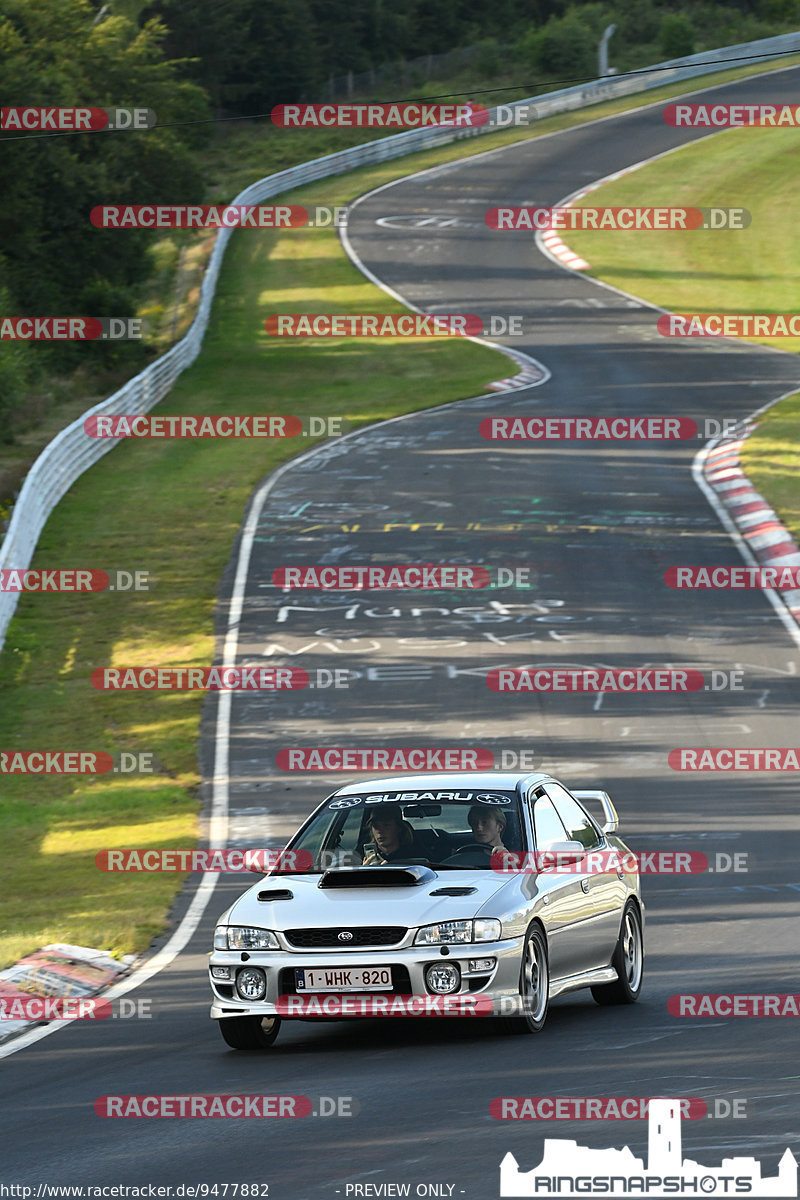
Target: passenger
[(488, 826), (393, 838)]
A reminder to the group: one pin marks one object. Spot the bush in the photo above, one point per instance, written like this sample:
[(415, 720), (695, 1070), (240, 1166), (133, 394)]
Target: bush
[(676, 36), (564, 47)]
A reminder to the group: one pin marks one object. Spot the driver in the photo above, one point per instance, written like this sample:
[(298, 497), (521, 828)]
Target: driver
[(488, 826), (392, 837)]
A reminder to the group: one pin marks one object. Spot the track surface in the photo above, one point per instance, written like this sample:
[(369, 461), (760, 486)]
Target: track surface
[(599, 525)]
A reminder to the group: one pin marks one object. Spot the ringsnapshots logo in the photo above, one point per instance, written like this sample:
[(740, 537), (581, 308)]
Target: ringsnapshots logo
[(75, 119), (567, 1169)]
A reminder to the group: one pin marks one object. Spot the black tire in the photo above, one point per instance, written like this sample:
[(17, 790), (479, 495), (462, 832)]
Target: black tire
[(534, 985), (250, 1033), (628, 961)]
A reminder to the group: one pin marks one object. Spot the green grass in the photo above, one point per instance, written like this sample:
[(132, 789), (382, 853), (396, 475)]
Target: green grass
[(734, 271), (174, 509)]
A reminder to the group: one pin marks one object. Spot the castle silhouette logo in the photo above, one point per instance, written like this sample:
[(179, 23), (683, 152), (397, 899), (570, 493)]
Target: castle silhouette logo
[(568, 1169)]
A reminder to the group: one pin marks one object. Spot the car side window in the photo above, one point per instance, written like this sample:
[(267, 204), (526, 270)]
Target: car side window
[(547, 825), (578, 825)]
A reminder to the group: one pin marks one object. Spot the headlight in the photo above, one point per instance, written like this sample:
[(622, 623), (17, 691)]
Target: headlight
[(244, 937), (485, 929)]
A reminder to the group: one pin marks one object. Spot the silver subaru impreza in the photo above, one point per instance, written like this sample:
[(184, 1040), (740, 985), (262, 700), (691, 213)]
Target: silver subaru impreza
[(451, 894)]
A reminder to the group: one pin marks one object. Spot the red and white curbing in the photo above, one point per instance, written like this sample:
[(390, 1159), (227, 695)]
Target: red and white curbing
[(562, 252), (759, 525), (531, 372)]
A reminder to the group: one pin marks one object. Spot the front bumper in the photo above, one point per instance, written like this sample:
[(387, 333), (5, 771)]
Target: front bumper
[(408, 965)]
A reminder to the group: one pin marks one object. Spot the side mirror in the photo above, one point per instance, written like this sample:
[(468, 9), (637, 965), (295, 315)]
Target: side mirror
[(609, 811), (558, 854)]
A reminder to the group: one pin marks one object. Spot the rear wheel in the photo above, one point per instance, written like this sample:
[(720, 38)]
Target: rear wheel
[(250, 1033), (628, 961), (534, 985)]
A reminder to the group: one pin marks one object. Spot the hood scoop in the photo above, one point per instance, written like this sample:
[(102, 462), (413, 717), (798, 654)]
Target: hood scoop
[(454, 891), (276, 894), (377, 877)]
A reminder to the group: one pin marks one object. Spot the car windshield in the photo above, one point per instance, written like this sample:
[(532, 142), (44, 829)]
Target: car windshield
[(443, 829)]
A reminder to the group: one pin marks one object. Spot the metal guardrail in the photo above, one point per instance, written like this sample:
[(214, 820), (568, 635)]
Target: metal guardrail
[(72, 452)]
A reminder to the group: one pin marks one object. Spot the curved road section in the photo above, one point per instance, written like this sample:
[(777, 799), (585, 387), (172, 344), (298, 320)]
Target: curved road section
[(596, 525)]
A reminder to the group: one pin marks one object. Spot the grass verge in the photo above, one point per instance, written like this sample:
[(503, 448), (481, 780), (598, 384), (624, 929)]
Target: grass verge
[(729, 271), (173, 509)]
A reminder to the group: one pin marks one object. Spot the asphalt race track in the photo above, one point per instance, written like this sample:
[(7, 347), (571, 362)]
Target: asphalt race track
[(597, 525)]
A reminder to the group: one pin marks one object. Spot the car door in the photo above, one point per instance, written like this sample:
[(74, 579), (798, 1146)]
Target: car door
[(602, 890), (564, 904)]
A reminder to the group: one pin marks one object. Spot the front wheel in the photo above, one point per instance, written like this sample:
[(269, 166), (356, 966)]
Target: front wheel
[(534, 985), (628, 961), (249, 1033)]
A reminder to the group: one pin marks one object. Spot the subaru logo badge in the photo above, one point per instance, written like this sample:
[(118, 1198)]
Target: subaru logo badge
[(345, 936)]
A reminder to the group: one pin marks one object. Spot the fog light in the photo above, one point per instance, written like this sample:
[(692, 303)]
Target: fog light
[(251, 983), (481, 964), (220, 972), (442, 978)]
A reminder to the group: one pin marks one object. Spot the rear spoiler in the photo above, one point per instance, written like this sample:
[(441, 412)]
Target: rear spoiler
[(612, 818)]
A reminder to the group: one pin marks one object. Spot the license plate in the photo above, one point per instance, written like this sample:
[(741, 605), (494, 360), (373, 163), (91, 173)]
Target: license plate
[(348, 979)]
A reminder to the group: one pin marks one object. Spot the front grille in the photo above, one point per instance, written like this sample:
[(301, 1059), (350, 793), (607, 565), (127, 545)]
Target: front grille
[(401, 983), (363, 935)]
